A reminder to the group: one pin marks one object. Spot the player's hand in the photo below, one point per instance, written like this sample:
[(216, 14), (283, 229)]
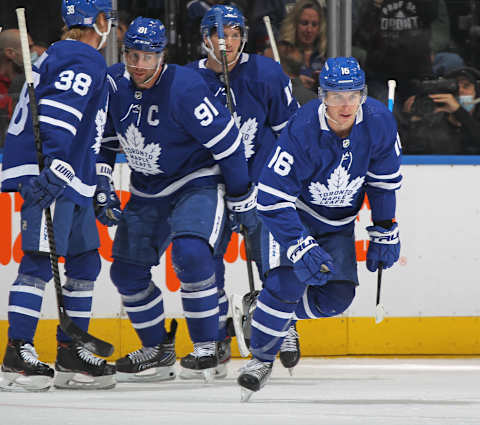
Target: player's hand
[(243, 210), (311, 263), (446, 102), (50, 184), (384, 247), (106, 202)]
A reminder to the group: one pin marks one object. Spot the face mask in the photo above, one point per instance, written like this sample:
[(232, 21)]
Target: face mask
[(33, 56), (466, 102)]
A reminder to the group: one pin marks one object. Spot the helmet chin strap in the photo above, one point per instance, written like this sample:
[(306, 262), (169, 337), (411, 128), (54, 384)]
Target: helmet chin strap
[(103, 35)]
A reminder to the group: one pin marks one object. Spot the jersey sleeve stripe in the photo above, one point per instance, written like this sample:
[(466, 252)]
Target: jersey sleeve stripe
[(230, 150), (384, 176), (82, 188), (383, 185), (277, 206), (314, 214), (276, 192), (58, 123), (218, 137), (279, 126), (62, 106), (19, 171)]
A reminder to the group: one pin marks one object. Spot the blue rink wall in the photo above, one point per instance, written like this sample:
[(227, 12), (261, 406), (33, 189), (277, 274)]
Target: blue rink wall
[(431, 297)]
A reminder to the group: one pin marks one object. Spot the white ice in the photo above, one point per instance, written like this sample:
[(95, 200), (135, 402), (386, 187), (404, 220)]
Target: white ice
[(337, 391)]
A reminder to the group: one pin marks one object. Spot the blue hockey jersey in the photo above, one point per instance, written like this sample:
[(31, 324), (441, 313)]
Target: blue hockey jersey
[(263, 103), (173, 134), (317, 178), (72, 95)]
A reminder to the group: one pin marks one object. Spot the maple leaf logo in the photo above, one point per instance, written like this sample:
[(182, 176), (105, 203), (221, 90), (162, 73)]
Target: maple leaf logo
[(340, 190), (248, 130), (141, 158), (100, 121)]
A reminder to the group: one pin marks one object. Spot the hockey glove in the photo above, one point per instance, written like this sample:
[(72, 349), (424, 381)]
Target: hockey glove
[(105, 201), (50, 184), (243, 211), (311, 264), (384, 247)]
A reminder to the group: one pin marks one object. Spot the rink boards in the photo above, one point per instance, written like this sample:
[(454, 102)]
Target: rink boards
[(431, 297)]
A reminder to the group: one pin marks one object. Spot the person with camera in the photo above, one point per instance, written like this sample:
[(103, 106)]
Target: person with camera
[(443, 118)]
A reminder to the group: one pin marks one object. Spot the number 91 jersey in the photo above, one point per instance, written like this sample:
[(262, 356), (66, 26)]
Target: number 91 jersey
[(72, 96)]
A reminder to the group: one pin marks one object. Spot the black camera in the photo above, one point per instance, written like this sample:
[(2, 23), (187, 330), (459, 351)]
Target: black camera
[(423, 106)]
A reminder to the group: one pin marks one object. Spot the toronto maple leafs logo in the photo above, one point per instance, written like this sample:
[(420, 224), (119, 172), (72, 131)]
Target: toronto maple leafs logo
[(141, 158), (340, 190), (100, 121), (248, 130)]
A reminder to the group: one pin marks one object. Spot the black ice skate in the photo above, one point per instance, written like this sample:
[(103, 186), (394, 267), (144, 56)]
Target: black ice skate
[(253, 376), (203, 359), (77, 368), (150, 364), (224, 354), (290, 349), (21, 369), (242, 313)]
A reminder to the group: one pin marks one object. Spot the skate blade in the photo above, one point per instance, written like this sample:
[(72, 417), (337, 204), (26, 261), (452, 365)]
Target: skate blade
[(245, 395), (156, 374), (237, 318), (16, 382), (208, 375), (80, 381), (290, 371), (221, 372)]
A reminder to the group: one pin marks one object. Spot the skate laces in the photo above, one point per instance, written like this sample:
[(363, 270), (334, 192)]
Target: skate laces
[(290, 341), (88, 357), (143, 355), (257, 368), (202, 349), (29, 355)]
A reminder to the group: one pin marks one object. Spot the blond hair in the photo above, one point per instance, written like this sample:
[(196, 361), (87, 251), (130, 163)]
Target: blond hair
[(288, 30)]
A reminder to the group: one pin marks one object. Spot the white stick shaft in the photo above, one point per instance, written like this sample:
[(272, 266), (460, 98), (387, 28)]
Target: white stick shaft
[(268, 26), (391, 93), (22, 26)]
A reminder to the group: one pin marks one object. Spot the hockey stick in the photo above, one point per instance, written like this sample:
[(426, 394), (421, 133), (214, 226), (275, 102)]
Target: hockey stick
[(91, 343), (271, 37), (223, 52)]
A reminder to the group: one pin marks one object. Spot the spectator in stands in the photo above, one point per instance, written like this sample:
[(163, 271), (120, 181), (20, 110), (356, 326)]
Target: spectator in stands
[(291, 65), (11, 66), (444, 123), (304, 30)]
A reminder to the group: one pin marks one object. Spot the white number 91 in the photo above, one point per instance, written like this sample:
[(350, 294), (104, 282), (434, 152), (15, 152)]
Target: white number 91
[(205, 112)]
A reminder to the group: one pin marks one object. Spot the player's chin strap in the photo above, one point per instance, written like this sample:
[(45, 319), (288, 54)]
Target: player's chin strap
[(211, 51), (103, 35)]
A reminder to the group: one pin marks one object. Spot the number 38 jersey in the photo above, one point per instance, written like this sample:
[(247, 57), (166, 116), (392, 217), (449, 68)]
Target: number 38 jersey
[(173, 134), (71, 90)]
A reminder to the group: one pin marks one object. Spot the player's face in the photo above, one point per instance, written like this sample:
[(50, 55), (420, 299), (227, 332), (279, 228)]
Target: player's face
[(142, 65), (308, 27), (233, 41), (342, 108)]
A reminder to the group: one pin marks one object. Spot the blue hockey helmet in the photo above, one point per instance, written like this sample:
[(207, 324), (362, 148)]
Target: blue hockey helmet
[(85, 12), (145, 34), (341, 74), (231, 17)]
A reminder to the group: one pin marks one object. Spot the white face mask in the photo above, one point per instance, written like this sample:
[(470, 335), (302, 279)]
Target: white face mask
[(466, 102), (33, 56)]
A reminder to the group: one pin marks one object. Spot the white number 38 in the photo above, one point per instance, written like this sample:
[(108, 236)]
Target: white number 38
[(79, 83)]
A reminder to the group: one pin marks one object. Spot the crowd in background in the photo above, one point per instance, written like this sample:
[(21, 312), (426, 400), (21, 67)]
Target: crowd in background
[(430, 47)]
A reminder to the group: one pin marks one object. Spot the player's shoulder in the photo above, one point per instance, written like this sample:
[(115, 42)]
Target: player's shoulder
[(75, 53), (305, 122), (373, 108), (260, 67), (183, 78)]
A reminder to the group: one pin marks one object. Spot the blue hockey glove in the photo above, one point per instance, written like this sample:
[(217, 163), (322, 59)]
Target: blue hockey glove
[(50, 184), (311, 264), (384, 247), (105, 200), (243, 211)]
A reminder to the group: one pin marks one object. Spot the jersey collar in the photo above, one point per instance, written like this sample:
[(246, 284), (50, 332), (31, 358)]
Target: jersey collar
[(322, 117)]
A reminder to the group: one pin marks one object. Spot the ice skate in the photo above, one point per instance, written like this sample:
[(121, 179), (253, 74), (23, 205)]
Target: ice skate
[(22, 371), (242, 312), (150, 364), (253, 376), (203, 359), (77, 368), (221, 371), (290, 349)]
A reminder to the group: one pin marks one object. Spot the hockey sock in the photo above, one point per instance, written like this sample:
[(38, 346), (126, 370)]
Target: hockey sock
[(142, 300), (274, 312), (326, 301), (194, 265), (222, 298)]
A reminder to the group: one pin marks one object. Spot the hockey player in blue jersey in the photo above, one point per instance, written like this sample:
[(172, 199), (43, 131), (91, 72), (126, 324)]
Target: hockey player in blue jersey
[(263, 103), (71, 90), (187, 160), (332, 152)]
